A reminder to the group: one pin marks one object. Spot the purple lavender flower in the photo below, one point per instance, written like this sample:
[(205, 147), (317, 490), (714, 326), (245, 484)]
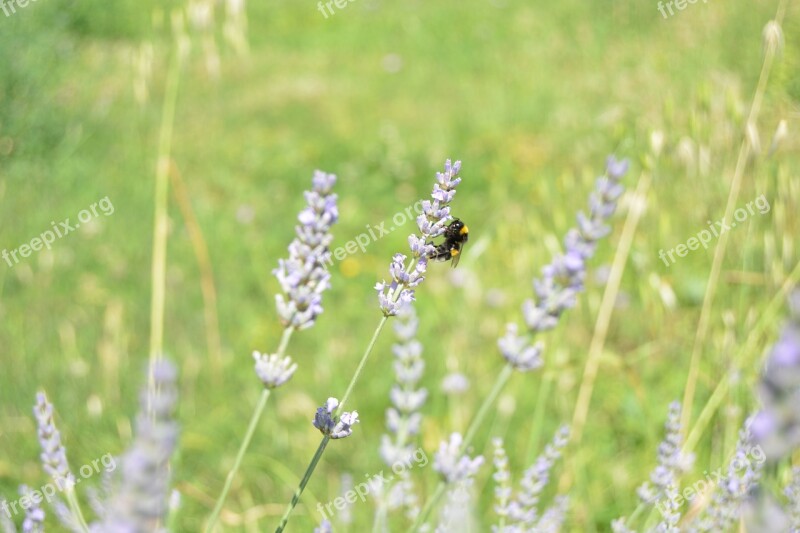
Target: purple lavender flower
[(140, 492), (403, 419), (454, 466), (431, 223), (455, 384), (54, 455), (303, 276), (522, 511), (671, 461), (561, 281), (324, 527), (34, 515), (563, 278), (334, 427), (732, 490), (273, 370), (776, 428)]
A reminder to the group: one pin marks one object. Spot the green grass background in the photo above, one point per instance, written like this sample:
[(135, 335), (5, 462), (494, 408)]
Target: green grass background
[(530, 95)]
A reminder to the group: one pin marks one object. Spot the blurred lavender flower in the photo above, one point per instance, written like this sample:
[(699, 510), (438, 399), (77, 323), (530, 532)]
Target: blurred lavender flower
[(671, 461), (452, 464), (732, 490), (274, 370), (402, 494), (334, 427), (502, 478), (557, 288), (522, 512), (324, 527), (431, 223), (303, 276), (34, 515), (763, 513), (54, 455), (670, 511), (776, 428), (403, 419), (140, 492), (518, 350), (458, 511), (455, 383)]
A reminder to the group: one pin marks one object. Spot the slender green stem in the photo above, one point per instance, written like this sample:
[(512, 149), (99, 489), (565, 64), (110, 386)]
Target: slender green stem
[(538, 416), (363, 362), (303, 483), (262, 403), (160, 222), (72, 502), (501, 381), (251, 429), (426, 510), (321, 449), (719, 252)]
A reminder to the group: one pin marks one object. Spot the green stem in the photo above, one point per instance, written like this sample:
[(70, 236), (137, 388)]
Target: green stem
[(321, 449), (363, 362), (303, 483), (501, 381), (422, 516), (251, 429), (72, 502), (538, 417)]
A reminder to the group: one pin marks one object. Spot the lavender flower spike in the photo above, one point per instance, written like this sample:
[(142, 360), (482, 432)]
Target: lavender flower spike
[(140, 494), (431, 223), (563, 278), (34, 515), (732, 490), (274, 370), (671, 461), (54, 455), (452, 465), (303, 276), (403, 419), (334, 427), (561, 281)]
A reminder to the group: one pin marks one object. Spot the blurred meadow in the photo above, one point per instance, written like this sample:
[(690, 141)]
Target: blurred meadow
[(531, 96)]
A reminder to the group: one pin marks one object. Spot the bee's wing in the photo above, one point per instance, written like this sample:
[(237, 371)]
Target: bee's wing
[(455, 257)]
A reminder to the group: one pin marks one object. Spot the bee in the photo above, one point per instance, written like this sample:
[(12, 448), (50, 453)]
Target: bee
[(455, 237)]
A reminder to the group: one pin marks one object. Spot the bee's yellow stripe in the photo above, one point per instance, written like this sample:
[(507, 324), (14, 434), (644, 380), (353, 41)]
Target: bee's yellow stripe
[(464, 230)]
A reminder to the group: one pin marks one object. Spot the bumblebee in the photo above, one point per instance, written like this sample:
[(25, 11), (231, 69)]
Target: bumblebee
[(455, 237)]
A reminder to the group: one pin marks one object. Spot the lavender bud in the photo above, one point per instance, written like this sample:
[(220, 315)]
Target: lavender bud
[(274, 370), (329, 425), (452, 464)]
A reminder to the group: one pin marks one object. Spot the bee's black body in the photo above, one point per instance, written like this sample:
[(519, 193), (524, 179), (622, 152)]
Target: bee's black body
[(455, 237)]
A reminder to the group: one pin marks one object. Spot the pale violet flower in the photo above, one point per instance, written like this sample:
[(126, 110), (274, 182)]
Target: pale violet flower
[(273, 370)]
